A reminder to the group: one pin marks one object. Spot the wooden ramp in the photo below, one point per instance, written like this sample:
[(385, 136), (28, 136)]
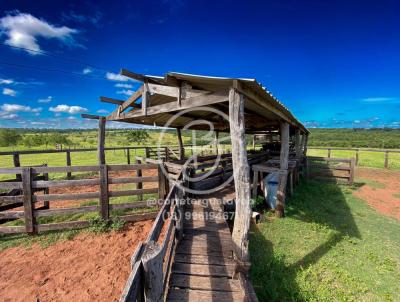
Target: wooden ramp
[(203, 266)]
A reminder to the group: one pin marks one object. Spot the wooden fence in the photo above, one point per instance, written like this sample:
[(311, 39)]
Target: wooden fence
[(327, 168), (357, 151), (28, 184)]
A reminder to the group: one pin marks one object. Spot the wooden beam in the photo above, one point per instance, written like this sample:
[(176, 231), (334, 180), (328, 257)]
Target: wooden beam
[(145, 99), (180, 144), (298, 143), (201, 100), (241, 173), (105, 99), (140, 77), (284, 163), (90, 116), (101, 140), (153, 272)]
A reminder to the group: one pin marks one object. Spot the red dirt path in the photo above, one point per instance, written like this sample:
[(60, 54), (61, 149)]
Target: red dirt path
[(87, 268), (383, 199)]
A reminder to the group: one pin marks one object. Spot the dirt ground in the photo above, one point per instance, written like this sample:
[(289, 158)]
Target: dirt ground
[(380, 189), (87, 268)]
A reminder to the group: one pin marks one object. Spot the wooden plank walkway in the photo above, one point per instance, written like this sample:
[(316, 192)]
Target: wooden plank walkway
[(203, 266)]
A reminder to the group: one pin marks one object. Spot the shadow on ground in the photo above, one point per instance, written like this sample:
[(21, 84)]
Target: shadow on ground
[(320, 204)]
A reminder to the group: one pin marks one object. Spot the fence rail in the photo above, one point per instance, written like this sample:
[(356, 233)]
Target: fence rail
[(327, 168), (357, 152), (29, 185)]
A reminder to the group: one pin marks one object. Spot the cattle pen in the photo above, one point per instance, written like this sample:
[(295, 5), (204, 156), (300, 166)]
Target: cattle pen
[(194, 251)]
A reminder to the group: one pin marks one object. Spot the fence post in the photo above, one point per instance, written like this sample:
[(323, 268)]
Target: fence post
[(357, 156), (17, 164), (386, 159), (329, 152), (147, 152), (166, 154), (29, 206), (104, 199), (68, 153), (153, 274), (162, 183), (351, 178), (128, 156), (139, 185), (46, 191)]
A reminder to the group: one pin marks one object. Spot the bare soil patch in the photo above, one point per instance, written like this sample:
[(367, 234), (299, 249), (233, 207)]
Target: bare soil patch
[(89, 267), (380, 190)]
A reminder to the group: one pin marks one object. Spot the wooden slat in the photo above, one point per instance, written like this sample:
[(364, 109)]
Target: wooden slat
[(132, 192), (204, 250), (205, 283), (64, 183), (203, 259), (203, 269), (38, 170), (12, 229), (131, 167), (138, 217), (10, 199), (9, 185), (72, 196), (10, 170), (130, 205), (11, 214), (204, 296), (128, 180), (65, 211), (62, 226)]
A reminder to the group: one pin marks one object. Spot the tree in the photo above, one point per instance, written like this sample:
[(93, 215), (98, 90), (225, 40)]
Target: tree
[(9, 137), (137, 136), (58, 138)]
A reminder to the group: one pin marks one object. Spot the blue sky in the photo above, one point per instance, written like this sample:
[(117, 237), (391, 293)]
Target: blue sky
[(333, 63)]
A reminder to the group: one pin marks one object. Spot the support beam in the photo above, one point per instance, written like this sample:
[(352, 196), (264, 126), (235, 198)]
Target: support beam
[(180, 144), (101, 140), (145, 99), (284, 164), (241, 173), (298, 143)]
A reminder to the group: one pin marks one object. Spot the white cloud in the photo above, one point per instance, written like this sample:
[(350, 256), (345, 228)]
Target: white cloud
[(10, 92), (127, 92), (46, 100), (38, 123), (6, 81), (102, 111), (19, 108), (68, 109), (23, 30), (87, 70), (116, 77), (8, 116), (120, 85), (379, 99)]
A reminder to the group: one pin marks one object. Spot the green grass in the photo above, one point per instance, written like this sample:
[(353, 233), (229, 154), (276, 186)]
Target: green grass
[(372, 183), (366, 158), (331, 246), (397, 195)]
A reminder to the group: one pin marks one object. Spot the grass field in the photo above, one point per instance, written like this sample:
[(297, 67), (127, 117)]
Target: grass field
[(330, 247)]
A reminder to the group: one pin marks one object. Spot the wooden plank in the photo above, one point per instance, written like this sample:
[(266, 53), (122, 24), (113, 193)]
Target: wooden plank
[(130, 205), (131, 180), (205, 283), (132, 192), (70, 196), (12, 229), (28, 201), (131, 167), (241, 173), (62, 226), (90, 116), (65, 211), (64, 183), (153, 275), (111, 100), (202, 259), (162, 184), (203, 269), (38, 170), (132, 99), (10, 170), (204, 296), (203, 250), (145, 98), (11, 215), (4, 200), (9, 185), (17, 164), (138, 217), (104, 197)]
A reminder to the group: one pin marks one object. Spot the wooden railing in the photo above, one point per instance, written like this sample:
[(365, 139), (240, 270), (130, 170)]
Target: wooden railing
[(357, 152), (327, 168), (28, 184), (152, 259)]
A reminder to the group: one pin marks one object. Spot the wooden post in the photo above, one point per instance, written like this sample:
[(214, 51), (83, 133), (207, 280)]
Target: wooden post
[(68, 159), (284, 164), (386, 159), (216, 135), (29, 206), (128, 156), (357, 156), (153, 275), (297, 143), (101, 140), (17, 164), (351, 177), (104, 199), (180, 144), (166, 150), (145, 98), (139, 185), (146, 152), (241, 173), (254, 142), (305, 145), (329, 152), (162, 184), (46, 191)]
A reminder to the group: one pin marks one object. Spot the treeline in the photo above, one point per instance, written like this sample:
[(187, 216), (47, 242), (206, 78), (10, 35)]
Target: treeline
[(355, 138)]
